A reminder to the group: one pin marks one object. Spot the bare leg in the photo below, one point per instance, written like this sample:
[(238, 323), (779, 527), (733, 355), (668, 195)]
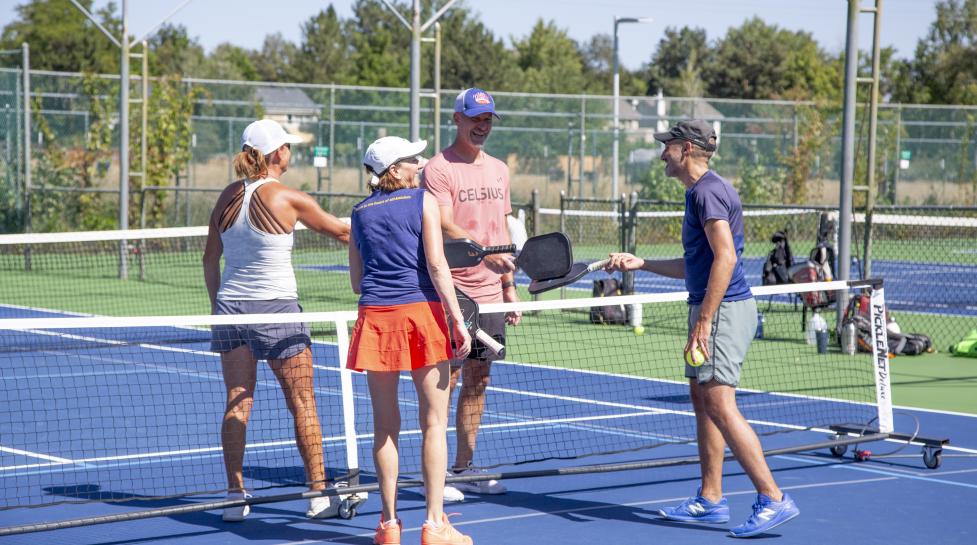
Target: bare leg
[(295, 377), (712, 446), (240, 373), (386, 429), (431, 383), (471, 406), (719, 402)]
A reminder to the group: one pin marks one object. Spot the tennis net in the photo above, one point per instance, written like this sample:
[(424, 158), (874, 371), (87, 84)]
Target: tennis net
[(927, 255), (80, 272), (929, 262), (121, 409)]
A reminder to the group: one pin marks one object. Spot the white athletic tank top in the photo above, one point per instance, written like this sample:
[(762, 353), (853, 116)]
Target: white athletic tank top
[(257, 265)]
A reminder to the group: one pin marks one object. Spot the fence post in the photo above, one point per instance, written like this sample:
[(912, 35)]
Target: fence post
[(583, 144), (898, 166), (629, 214), (332, 133), (27, 149), (534, 214), (142, 225)]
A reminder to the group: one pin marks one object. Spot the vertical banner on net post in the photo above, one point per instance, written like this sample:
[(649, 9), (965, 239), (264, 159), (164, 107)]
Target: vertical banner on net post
[(880, 359)]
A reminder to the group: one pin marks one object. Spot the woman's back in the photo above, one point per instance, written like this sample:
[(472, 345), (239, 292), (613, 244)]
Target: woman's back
[(387, 230), (257, 258)]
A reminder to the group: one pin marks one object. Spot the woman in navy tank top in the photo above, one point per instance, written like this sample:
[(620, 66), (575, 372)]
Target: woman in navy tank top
[(397, 265)]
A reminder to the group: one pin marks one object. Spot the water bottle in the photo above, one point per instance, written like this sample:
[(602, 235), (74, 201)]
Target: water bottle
[(759, 325), (820, 332), (810, 336), (848, 339)]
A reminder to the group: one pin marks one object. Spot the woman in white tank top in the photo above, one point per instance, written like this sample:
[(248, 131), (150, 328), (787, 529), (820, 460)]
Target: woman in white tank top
[(251, 226)]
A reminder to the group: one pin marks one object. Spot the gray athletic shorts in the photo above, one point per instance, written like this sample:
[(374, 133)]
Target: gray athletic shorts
[(733, 328), (266, 341)]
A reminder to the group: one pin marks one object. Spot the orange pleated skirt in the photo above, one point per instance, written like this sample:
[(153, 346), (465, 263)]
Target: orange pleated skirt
[(399, 337)]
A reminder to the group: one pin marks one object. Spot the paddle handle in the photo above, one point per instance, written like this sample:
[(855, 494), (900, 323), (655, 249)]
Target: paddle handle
[(597, 265), (490, 343), (503, 249)]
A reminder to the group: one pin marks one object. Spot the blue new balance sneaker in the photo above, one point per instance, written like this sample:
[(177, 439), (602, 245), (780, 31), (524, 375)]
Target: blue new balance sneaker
[(767, 514), (698, 509)]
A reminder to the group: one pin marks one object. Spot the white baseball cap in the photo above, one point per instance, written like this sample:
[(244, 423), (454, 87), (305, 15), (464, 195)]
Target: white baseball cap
[(266, 136), (387, 151)]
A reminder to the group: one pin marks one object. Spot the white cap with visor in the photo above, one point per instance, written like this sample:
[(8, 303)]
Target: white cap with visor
[(388, 151), (266, 136)]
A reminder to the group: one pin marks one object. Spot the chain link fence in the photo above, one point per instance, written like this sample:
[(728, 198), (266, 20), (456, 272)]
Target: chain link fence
[(552, 143)]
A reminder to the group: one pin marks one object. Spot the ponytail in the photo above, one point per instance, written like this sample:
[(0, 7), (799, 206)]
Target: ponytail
[(249, 163)]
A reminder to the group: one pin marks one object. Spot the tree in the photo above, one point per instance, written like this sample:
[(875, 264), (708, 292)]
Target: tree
[(174, 52), (676, 65), (278, 60), (598, 56), (471, 56), (944, 69), (62, 38), (324, 54), (380, 45), (761, 61), (231, 62), (550, 61)]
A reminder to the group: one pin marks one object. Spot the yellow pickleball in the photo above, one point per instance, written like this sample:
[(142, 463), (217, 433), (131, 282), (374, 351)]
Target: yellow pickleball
[(695, 357)]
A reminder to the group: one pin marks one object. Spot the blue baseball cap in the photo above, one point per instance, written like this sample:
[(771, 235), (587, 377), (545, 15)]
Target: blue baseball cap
[(475, 101)]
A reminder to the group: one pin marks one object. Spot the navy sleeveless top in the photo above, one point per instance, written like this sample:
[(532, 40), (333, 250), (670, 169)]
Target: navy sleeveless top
[(387, 231)]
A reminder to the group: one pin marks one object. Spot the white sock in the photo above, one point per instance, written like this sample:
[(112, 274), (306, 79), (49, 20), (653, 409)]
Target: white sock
[(389, 523), (432, 524)]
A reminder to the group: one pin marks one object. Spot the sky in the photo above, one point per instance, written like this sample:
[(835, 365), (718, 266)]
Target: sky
[(246, 22)]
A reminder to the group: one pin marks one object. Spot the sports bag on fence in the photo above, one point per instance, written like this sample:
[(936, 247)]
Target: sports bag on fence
[(610, 314), (816, 269), (778, 261)]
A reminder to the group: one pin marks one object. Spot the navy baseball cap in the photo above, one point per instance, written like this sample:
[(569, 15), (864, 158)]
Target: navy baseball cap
[(697, 131), (475, 101)]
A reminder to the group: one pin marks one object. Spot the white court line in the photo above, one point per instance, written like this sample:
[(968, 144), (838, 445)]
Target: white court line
[(537, 513), (35, 455)]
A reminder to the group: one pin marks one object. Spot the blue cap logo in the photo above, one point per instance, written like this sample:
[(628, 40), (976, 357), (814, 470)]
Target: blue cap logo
[(475, 101)]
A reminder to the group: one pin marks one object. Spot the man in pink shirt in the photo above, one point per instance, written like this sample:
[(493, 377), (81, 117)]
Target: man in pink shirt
[(472, 190)]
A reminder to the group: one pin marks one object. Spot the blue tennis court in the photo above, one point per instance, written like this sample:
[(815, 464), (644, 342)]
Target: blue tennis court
[(891, 500)]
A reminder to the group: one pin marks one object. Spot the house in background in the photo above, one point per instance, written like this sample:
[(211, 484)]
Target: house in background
[(642, 117), (291, 107)]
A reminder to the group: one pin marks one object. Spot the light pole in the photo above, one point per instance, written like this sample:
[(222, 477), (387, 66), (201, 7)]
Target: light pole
[(617, 100)]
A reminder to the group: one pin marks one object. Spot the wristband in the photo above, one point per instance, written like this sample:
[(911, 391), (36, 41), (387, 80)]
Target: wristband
[(508, 284)]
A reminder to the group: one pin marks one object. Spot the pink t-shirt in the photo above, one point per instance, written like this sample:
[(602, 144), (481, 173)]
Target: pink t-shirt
[(478, 194)]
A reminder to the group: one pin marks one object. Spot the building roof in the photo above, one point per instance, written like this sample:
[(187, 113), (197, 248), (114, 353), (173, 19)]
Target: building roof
[(286, 101)]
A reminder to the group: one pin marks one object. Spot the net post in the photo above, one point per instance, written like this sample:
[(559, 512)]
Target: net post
[(880, 356), (630, 237), (349, 420)]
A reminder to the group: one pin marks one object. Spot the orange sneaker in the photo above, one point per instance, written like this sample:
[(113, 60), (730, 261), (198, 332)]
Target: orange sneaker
[(388, 533), (443, 535)]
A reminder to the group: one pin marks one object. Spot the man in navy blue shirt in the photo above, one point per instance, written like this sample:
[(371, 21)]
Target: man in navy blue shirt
[(722, 323)]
